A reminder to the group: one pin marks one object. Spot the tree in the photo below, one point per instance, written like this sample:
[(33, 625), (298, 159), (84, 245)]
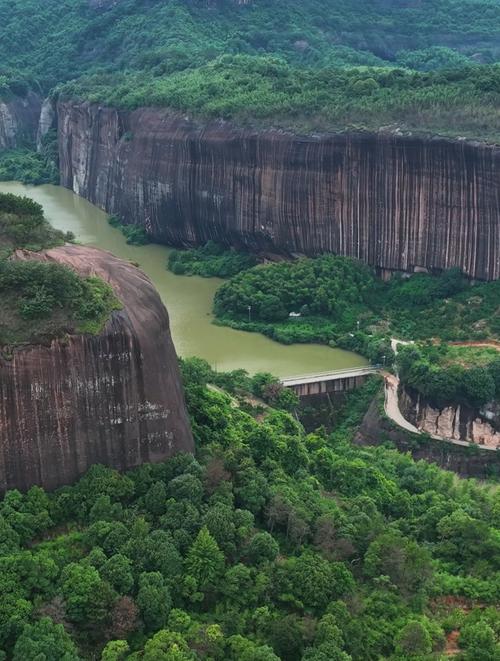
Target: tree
[(328, 642), (314, 581), (186, 487), (286, 636), (88, 598), (115, 650), (46, 641), (479, 386), (168, 646), (220, 524), (413, 640), (205, 562), (155, 499), (243, 649), (262, 548), (124, 618), (154, 600), (407, 564), (105, 510), (479, 641), (118, 572)]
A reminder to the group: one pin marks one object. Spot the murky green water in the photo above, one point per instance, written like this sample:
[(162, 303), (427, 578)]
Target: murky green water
[(188, 299)]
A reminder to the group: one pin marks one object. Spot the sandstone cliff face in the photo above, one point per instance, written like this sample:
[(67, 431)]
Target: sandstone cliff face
[(458, 423), (46, 121), (376, 429), (114, 398), (19, 121), (398, 203)]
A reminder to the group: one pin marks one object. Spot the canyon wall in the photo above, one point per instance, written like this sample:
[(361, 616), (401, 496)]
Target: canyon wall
[(114, 398), (466, 461), (459, 423), (19, 120), (396, 202)]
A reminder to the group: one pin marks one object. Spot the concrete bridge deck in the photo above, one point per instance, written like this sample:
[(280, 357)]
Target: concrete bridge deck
[(325, 382)]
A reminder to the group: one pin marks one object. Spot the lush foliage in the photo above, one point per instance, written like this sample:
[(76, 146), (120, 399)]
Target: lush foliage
[(270, 544), (60, 39), (304, 64), (135, 234), (42, 300), (27, 166), (22, 225), (210, 261), (446, 375), (343, 304), (266, 89)]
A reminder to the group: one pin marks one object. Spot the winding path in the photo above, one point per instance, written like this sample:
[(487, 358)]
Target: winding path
[(391, 403)]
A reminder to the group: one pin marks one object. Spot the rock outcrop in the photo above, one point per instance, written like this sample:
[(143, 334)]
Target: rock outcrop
[(398, 203), (377, 429), (456, 422), (114, 398), (19, 120), (46, 122)]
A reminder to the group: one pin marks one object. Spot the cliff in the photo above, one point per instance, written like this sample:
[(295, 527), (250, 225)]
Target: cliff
[(376, 429), (115, 398), (396, 202), (456, 422), (19, 120)]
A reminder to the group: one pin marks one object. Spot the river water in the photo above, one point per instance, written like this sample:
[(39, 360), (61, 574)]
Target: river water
[(188, 299)]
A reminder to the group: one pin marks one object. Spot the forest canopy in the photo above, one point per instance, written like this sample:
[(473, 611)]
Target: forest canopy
[(302, 64), (270, 544)]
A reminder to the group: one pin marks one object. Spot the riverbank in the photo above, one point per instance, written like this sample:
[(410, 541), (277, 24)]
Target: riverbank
[(189, 300)]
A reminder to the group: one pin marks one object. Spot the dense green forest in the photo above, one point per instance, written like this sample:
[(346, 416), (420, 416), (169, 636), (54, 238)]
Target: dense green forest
[(40, 300), (210, 261), (266, 90), (302, 64), (269, 544), (342, 303), (446, 374), (58, 40)]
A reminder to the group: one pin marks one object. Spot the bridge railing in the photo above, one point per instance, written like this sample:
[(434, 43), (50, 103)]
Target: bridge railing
[(333, 374)]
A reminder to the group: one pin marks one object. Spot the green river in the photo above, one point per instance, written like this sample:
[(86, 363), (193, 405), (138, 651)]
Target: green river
[(188, 299)]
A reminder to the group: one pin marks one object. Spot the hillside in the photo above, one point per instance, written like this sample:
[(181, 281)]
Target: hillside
[(268, 545), (155, 53)]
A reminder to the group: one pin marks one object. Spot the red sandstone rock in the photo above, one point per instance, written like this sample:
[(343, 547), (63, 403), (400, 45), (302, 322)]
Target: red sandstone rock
[(395, 202), (115, 398)]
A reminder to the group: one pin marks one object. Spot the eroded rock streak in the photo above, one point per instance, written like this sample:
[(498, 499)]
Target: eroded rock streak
[(455, 422), (115, 398), (398, 203), (19, 121)]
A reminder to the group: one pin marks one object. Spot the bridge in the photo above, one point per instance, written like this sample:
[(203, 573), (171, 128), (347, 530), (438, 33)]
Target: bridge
[(329, 382)]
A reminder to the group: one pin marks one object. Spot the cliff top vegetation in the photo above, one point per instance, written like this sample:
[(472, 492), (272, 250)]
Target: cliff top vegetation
[(446, 374), (270, 544), (266, 91), (303, 64), (23, 225), (39, 300)]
